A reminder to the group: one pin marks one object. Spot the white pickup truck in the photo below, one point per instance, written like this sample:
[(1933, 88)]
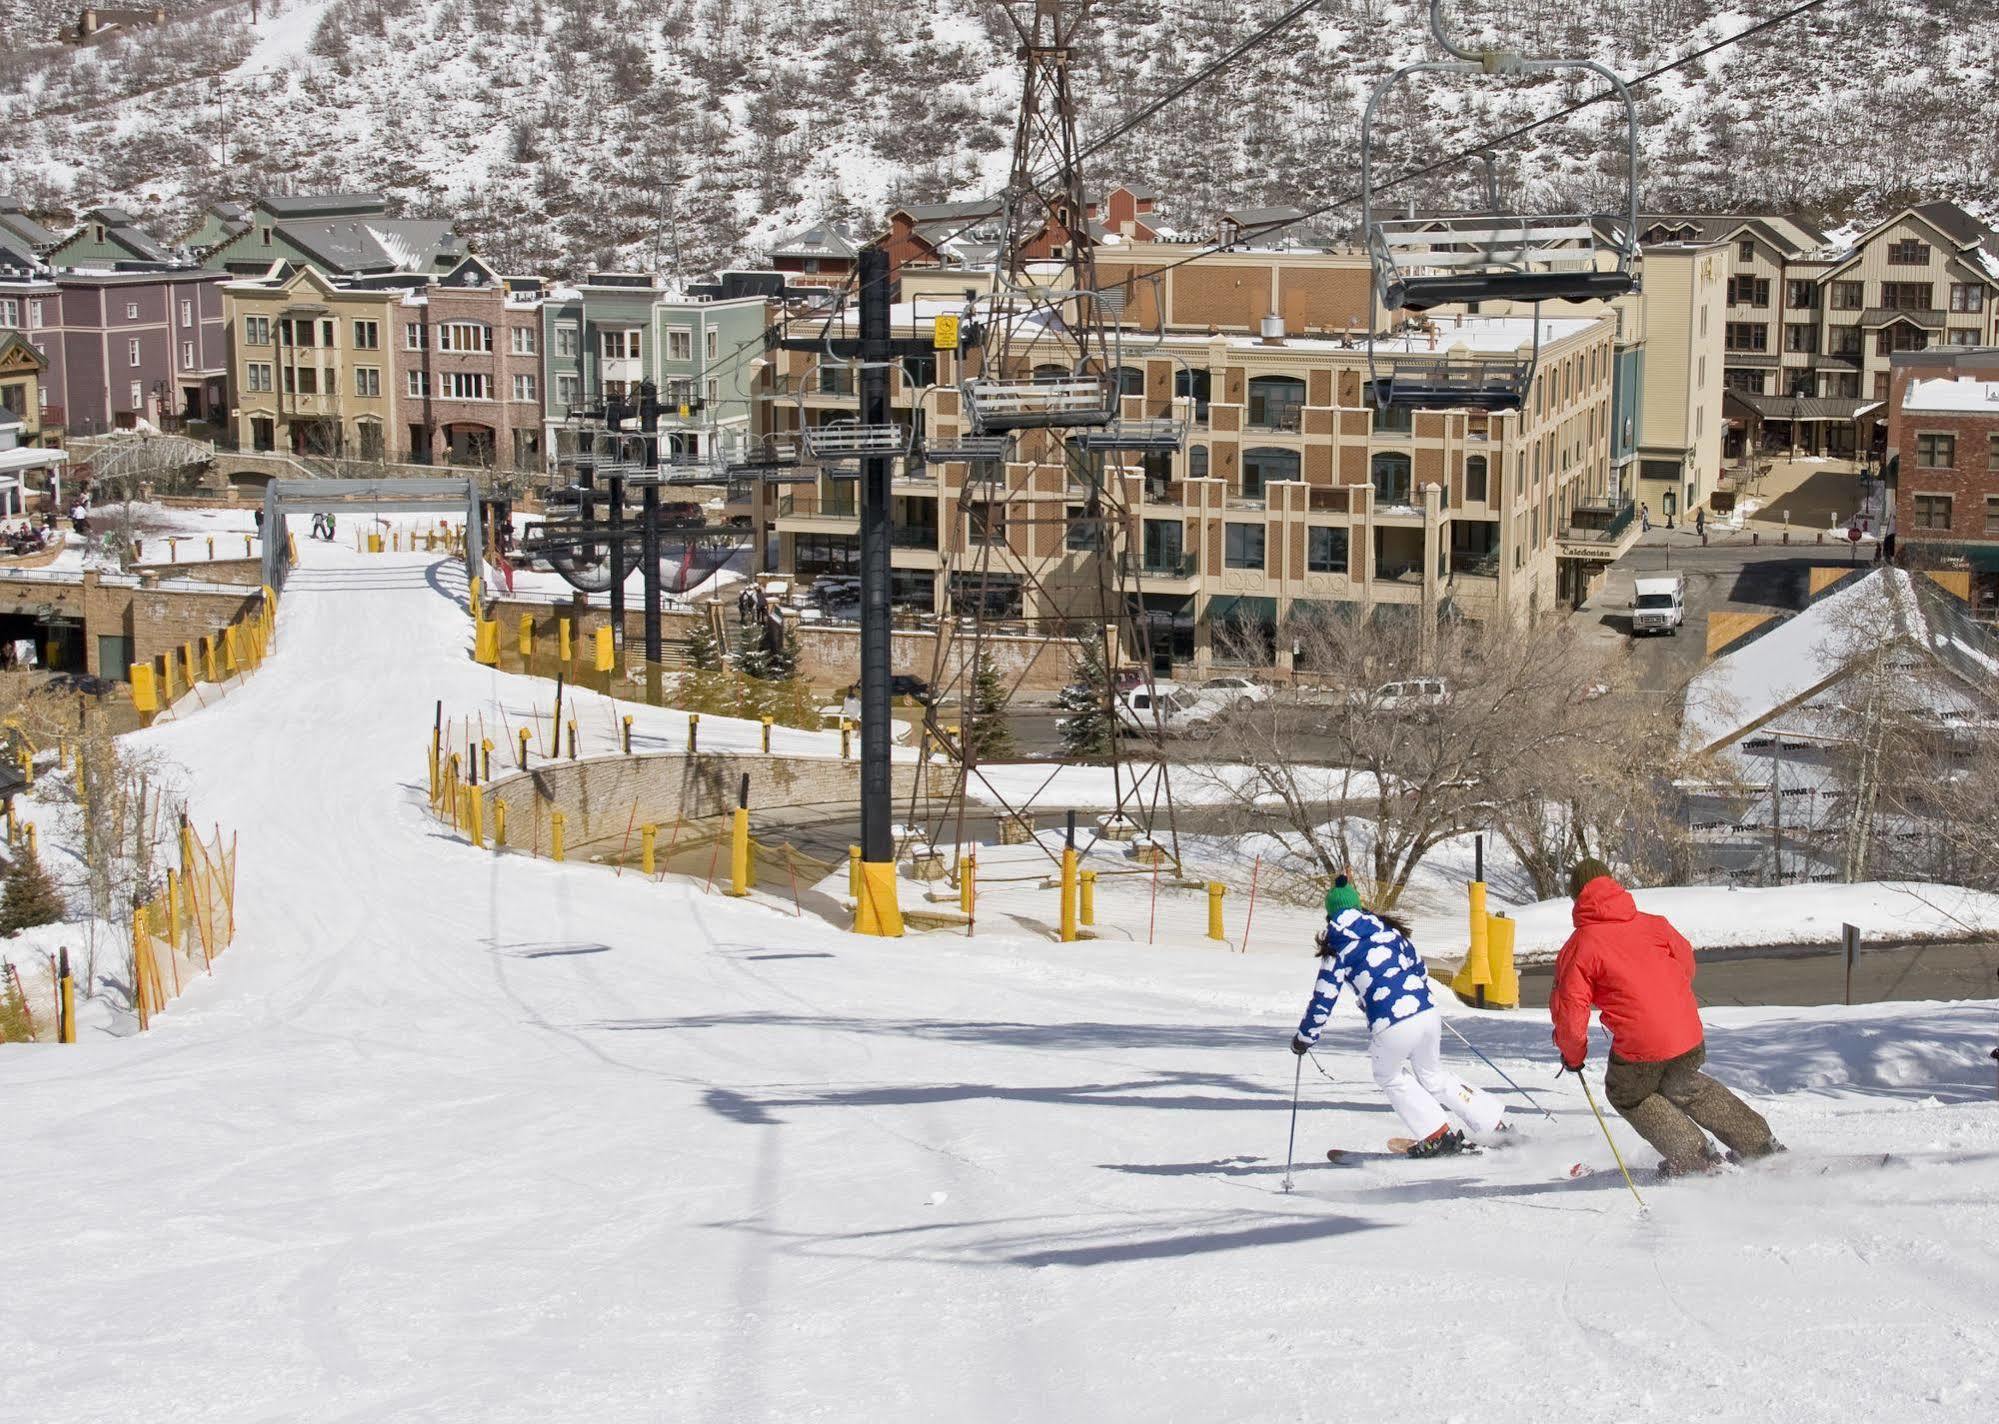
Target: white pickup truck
[(1659, 604)]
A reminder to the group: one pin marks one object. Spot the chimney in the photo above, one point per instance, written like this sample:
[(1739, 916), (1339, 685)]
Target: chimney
[(1272, 330)]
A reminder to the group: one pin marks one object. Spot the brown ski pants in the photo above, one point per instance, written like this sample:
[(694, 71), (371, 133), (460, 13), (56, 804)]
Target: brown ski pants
[(1671, 1101)]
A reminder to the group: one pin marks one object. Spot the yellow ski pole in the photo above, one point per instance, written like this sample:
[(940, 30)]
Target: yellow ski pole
[(1642, 1208)]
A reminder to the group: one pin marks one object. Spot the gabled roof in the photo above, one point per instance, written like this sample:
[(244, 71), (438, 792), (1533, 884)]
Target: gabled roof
[(13, 345), (306, 205), (470, 272), (1948, 221), (14, 219), (15, 253), (375, 244), (1778, 671), (120, 231), (827, 239), (1725, 227)]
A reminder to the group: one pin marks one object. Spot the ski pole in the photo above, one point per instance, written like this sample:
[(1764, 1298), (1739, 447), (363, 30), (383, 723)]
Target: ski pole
[(1500, 1071), (1619, 1156), (1297, 1077)]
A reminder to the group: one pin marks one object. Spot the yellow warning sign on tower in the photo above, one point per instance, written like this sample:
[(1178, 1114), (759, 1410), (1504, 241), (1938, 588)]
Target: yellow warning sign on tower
[(944, 334)]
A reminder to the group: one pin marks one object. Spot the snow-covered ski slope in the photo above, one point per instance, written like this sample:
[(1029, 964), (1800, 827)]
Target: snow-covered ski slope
[(457, 1137)]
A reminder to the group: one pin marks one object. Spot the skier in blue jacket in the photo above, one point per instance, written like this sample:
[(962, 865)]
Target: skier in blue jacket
[(1371, 955)]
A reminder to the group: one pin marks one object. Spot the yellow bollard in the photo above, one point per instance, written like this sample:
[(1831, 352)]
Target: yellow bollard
[(767, 722), (1068, 894), (693, 730), (524, 749), (853, 868), (1473, 980), (607, 650), (846, 740), (1215, 892), (628, 734), (193, 668), (739, 852), (876, 910), (556, 822), (208, 655), (562, 640), (34, 847), (478, 817), (526, 637), (145, 697), (499, 823), (68, 1005), (1505, 990), (968, 884), (486, 642), (1089, 878), (648, 847), (232, 650)]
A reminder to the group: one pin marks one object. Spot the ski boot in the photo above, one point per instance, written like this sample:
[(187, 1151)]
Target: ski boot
[(1444, 1142)]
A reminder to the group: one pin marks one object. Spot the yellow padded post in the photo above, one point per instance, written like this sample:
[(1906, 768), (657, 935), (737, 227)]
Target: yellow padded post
[(1475, 973), (648, 848), (877, 911), (739, 852), (1089, 901), (1068, 894), (556, 824), (1215, 892)]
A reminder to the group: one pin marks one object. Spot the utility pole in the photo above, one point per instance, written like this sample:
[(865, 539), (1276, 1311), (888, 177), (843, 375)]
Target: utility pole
[(649, 535), (878, 912)]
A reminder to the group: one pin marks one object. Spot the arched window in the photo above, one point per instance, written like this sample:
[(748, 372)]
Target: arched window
[(1130, 380), (1275, 402), (1195, 386), (1391, 478), (1050, 372), (1474, 479), (1264, 466)]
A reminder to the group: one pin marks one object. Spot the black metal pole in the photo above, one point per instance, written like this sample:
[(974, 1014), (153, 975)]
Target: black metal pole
[(877, 843), (618, 565), (649, 537)]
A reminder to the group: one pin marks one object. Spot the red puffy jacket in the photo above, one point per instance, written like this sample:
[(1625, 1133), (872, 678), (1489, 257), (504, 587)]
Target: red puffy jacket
[(1636, 968)]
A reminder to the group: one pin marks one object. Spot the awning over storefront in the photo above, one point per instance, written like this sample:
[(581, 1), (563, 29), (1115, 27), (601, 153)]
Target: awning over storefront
[(1804, 410)]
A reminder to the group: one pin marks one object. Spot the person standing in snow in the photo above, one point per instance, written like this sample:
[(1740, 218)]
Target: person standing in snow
[(1371, 954), (1638, 971)]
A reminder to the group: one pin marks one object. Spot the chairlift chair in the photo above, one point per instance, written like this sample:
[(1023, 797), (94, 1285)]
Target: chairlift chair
[(1490, 257)]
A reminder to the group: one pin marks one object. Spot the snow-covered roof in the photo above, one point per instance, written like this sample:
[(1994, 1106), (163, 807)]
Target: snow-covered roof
[(1947, 396)]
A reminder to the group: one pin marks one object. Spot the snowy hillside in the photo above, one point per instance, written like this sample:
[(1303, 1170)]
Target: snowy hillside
[(567, 133), (450, 1136)]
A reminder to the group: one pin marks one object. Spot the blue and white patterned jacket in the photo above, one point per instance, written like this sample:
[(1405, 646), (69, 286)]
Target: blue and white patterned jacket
[(1382, 968)]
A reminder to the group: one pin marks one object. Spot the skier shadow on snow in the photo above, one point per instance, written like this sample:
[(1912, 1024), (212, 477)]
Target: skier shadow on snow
[(1317, 1174), (994, 1033), (547, 950)]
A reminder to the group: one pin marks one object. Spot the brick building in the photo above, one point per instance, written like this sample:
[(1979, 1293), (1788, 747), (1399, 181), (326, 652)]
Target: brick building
[(467, 386), (1944, 440)]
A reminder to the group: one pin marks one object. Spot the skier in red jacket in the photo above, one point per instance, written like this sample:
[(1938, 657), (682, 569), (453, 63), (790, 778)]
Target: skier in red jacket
[(1639, 972)]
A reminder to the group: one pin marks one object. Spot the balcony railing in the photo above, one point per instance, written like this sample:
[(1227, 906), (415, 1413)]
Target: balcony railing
[(787, 507), (1594, 526), (1165, 566), (913, 536), (1288, 419)]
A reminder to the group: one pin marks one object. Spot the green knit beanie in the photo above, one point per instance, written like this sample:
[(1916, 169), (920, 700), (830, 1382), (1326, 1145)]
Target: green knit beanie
[(1584, 871), (1342, 896)]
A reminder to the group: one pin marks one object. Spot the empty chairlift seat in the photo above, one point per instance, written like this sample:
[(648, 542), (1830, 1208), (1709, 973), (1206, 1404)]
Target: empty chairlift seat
[(1495, 257), (1045, 402)]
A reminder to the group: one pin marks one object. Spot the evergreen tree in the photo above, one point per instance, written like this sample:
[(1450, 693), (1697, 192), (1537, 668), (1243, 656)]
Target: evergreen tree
[(31, 898), (1086, 722), (703, 653), (752, 657), (988, 737), (780, 659), (13, 1011)]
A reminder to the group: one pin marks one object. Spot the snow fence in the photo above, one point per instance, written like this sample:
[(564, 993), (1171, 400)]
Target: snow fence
[(180, 932)]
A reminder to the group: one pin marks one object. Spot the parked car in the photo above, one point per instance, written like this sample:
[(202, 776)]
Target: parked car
[(681, 514), (1419, 694), (1237, 692), (1170, 709)]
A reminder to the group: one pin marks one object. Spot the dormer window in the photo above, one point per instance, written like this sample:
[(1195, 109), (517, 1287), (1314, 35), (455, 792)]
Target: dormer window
[(99, 229)]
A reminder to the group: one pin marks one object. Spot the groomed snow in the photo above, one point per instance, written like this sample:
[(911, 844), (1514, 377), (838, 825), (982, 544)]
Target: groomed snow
[(451, 1136), (1952, 396)]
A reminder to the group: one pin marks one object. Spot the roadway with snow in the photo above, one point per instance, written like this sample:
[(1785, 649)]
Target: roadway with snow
[(451, 1136)]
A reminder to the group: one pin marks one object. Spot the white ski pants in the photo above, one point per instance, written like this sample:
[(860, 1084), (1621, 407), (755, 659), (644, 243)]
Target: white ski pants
[(1409, 1068)]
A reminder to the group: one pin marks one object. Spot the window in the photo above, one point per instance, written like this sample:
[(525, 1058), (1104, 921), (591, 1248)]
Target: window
[(1745, 250), (464, 336), (1194, 386), (1908, 252), (1900, 337), (131, 311), (1967, 297), (1390, 472), (523, 341), (1802, 293), (304, 381), (1849, 296), (1749, 291), (10, 312), (1800, 336), (523, 385), (1933, 512), (1275, 402), (186, 313), (187, 355), (1242, 546), (1197, 462), (679, 344), (257, 376), (1962, 336), (256, 331), (413, 336), (988, 522), (1748, 382), (132, 351), (565, 338), (464, 385), (367, 380), (138, 395), (1880, 385), (619, 345), (1082, 532), (1262, 466), (714, 343), (416, 384), (835, 380), (367, 336), (1325, 550), (1747, 336), (1935, 451), (1847, 341), (1992, 452), (1992, 514), (34, 311), (1164, 549), (1906, 296), (1475, 478), (1841, 385), (568, 390), (714, 391)]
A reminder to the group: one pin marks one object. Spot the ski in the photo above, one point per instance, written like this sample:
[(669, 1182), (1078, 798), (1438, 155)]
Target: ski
[(1393, 1153)]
